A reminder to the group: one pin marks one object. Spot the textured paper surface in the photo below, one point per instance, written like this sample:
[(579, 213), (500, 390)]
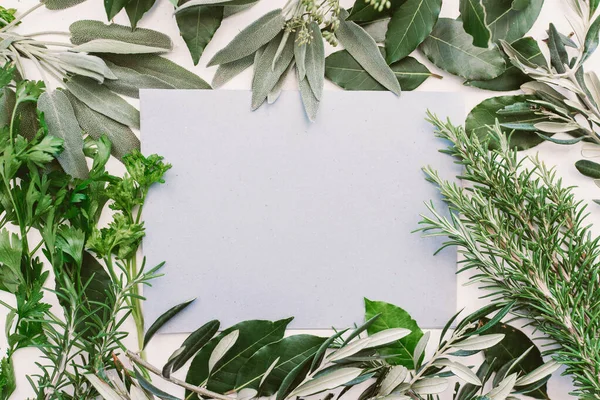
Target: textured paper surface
[(266, 215)]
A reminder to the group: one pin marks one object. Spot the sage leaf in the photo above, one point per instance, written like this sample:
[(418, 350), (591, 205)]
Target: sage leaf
[(485, 114), (87, 30), (86, 65), (136, 9), (394, 317), (539, 373), (266, 76), (343, 70), (474, 23), (224, 345), (409, 27), (123, 140), (102, 100), (201, 3), (190, 346), (129, 81), (276, 91), (512, 78), (588, 168), (516, 343), (113, 7), (61, 121), (300, 56), (116, 47), (365, 51), (164, 318), (61, 4), (250, 39), (364, 12), (427, 386), (226, 72), (508, 20), (378, 29), (392, 380), (197, 26), (326, 382), (289, 352), (315, 62), (450, 48), (477, 342), (160, 68), (254, 335), (228, 11)]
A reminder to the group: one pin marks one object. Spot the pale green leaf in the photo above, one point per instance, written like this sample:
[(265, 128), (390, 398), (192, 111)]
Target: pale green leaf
[(116, 47), (129, 81), (539, 373), (222, 348), (61, 4), (315, 61), (430, 386), (393, 379), (84, 31), (328, 381), (226, 72), (266, 76), (477, 342)]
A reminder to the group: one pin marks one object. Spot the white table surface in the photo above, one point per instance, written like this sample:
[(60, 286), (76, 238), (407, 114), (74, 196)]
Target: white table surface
[(161, 18)]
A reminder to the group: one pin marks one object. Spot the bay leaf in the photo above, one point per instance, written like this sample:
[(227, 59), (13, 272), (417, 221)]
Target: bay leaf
[(136, 9), (473, 18), (450, 48), (197, 26), (509, 20), (363, 12), (113, 7), (409, 27)]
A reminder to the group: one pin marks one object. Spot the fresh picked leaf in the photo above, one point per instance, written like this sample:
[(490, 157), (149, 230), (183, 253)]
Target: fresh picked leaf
[(268, 74), (225, 3), (395, 376), (328, 381), (364, 12), (250, 39), (113, 7), (116, 47), (450, 48), (102, 100), (394, 317), (128, 81), (136, 9), (161, 68), (195, 342), (410, 25), (85, 31), (512, 78), (363, 48), (486, 113), (429, 386), (86, 65), (510, 20), (515, 344), (289, 353), (221, 349), (588, 168), (254, 335), (538, 374), (123, 140), (164, 318), (343, 70), (61, 121), (309, 99), (314, 61), (61, 4), (197, 26), (226, 72), (473, 15)]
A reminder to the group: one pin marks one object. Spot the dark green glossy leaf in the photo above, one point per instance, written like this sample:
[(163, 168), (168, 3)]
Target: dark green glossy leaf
[(253, 335), (293, 379), (197, 26), (190, 346), (291, 351), (394, 317), (320, 353), (363, 12), (592, 38), (588, 168), (486, 113), (558, 54), (513, 346), (160, 68), (163, 319), (343, 70), (113, 7), (510, 20), (473, 19), (451, 49), (146, 385), (512, 78), (409, 27), (136, 9)]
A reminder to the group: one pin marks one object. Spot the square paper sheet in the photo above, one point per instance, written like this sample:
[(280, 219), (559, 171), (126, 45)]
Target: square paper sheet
[(265, 215)]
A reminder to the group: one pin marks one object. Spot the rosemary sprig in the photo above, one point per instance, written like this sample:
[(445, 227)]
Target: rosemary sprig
[(527, 237)]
